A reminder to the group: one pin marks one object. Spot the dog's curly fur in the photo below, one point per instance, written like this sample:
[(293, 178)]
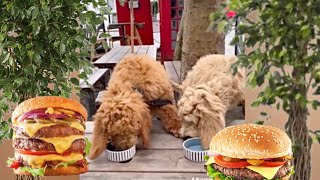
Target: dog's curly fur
[(208, 91), (124, 116)]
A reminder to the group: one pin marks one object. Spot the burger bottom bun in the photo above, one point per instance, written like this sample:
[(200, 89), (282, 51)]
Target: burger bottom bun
[(60, 171)]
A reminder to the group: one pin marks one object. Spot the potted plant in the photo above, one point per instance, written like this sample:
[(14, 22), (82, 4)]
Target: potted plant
[(286, 59)]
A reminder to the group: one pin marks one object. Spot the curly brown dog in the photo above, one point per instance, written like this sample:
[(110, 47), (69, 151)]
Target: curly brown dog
[(208, 91), (128, 105)]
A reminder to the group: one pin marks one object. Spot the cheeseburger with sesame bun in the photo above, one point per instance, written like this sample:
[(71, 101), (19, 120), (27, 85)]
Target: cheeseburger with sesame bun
[(249, 152), (49, 137)]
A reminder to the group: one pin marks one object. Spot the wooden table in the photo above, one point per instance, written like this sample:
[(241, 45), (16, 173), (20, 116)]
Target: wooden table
[(163, 160), (111, 58), (173, 70)]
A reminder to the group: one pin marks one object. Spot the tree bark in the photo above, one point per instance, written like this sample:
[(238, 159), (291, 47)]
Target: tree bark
[(298, 132), (198, 38), (178, 49)]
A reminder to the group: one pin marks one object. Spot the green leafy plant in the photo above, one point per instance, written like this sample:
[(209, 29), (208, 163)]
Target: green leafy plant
[(286, 58), (41, 44)]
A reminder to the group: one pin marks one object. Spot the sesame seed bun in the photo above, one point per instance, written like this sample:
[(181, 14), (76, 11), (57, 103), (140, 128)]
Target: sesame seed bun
[(251, 141), (60, 171), (46, 102)]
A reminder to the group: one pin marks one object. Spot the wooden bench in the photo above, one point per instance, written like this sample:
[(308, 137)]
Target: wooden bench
[(97, 81), (173, 70), (114, 56), (98, 100)]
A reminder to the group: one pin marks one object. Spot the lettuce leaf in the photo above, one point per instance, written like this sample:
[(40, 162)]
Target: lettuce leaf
[(212, 173), (34, 172), (10, 161), (88, 146), (65, 164)]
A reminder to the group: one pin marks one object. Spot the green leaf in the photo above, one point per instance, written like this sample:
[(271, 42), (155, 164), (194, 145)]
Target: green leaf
[(78, 38), (62, 48), (315, 104), (75, 81), (65, 164), (35, 12), (36, 28), (255, 104), (263, 114), (221, 26), (33, 171), (259, 122), (88, 146), (10, 161)]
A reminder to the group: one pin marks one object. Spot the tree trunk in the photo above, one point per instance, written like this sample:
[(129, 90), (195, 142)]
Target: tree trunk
[(178, 49), (298, 132), (198, 37)]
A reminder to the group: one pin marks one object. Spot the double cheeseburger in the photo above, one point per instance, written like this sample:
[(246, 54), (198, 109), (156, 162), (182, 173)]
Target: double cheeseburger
[(49, 137), (249, 152)]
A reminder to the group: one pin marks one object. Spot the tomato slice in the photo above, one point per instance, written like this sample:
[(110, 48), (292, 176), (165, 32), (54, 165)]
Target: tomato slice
[(238, 164), (273, 163)]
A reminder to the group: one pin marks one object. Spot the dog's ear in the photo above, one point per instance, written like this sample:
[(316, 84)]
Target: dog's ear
[(100, 135)]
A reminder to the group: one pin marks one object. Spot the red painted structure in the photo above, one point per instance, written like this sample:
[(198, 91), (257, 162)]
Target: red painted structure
[(141, 14), (170, 16)]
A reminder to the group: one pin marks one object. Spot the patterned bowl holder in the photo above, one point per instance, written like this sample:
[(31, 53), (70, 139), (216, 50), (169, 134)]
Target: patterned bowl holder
[(193, 150)]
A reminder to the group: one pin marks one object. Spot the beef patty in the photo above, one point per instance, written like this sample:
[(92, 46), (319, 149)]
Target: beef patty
[(51, 131), (39, 145), (247, 174)]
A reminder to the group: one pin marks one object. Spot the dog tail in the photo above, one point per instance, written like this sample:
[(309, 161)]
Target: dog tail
[(176, 87)]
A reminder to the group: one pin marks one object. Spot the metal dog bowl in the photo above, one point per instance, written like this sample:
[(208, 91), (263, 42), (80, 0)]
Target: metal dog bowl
[(193, 150)]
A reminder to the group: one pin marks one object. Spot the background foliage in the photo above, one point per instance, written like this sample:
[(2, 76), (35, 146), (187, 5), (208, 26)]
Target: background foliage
[(286, 58), (41, 43)]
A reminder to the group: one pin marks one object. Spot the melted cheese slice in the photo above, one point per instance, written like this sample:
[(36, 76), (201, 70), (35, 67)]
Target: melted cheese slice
[(32, 128), (61, 144), (37, 161), (210, 160), (267, 172)]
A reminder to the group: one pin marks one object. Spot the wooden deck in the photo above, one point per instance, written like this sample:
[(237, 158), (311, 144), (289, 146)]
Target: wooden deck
[(163, 160), (173, 70), (111, 58)]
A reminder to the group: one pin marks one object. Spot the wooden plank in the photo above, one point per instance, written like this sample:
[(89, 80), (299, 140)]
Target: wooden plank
[(157, 161), (143, 50), (159, 141), (120, 54), (152, 51), (142, 176), (177, 67), (156, 127), (171, 71), (105, 58), (94, 78)]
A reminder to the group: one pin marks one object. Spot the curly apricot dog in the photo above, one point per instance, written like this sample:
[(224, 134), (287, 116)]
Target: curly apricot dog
[(208, 91), (139, 88)]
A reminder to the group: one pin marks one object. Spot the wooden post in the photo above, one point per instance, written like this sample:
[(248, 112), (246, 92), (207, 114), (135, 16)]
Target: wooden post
[(131, 25)]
